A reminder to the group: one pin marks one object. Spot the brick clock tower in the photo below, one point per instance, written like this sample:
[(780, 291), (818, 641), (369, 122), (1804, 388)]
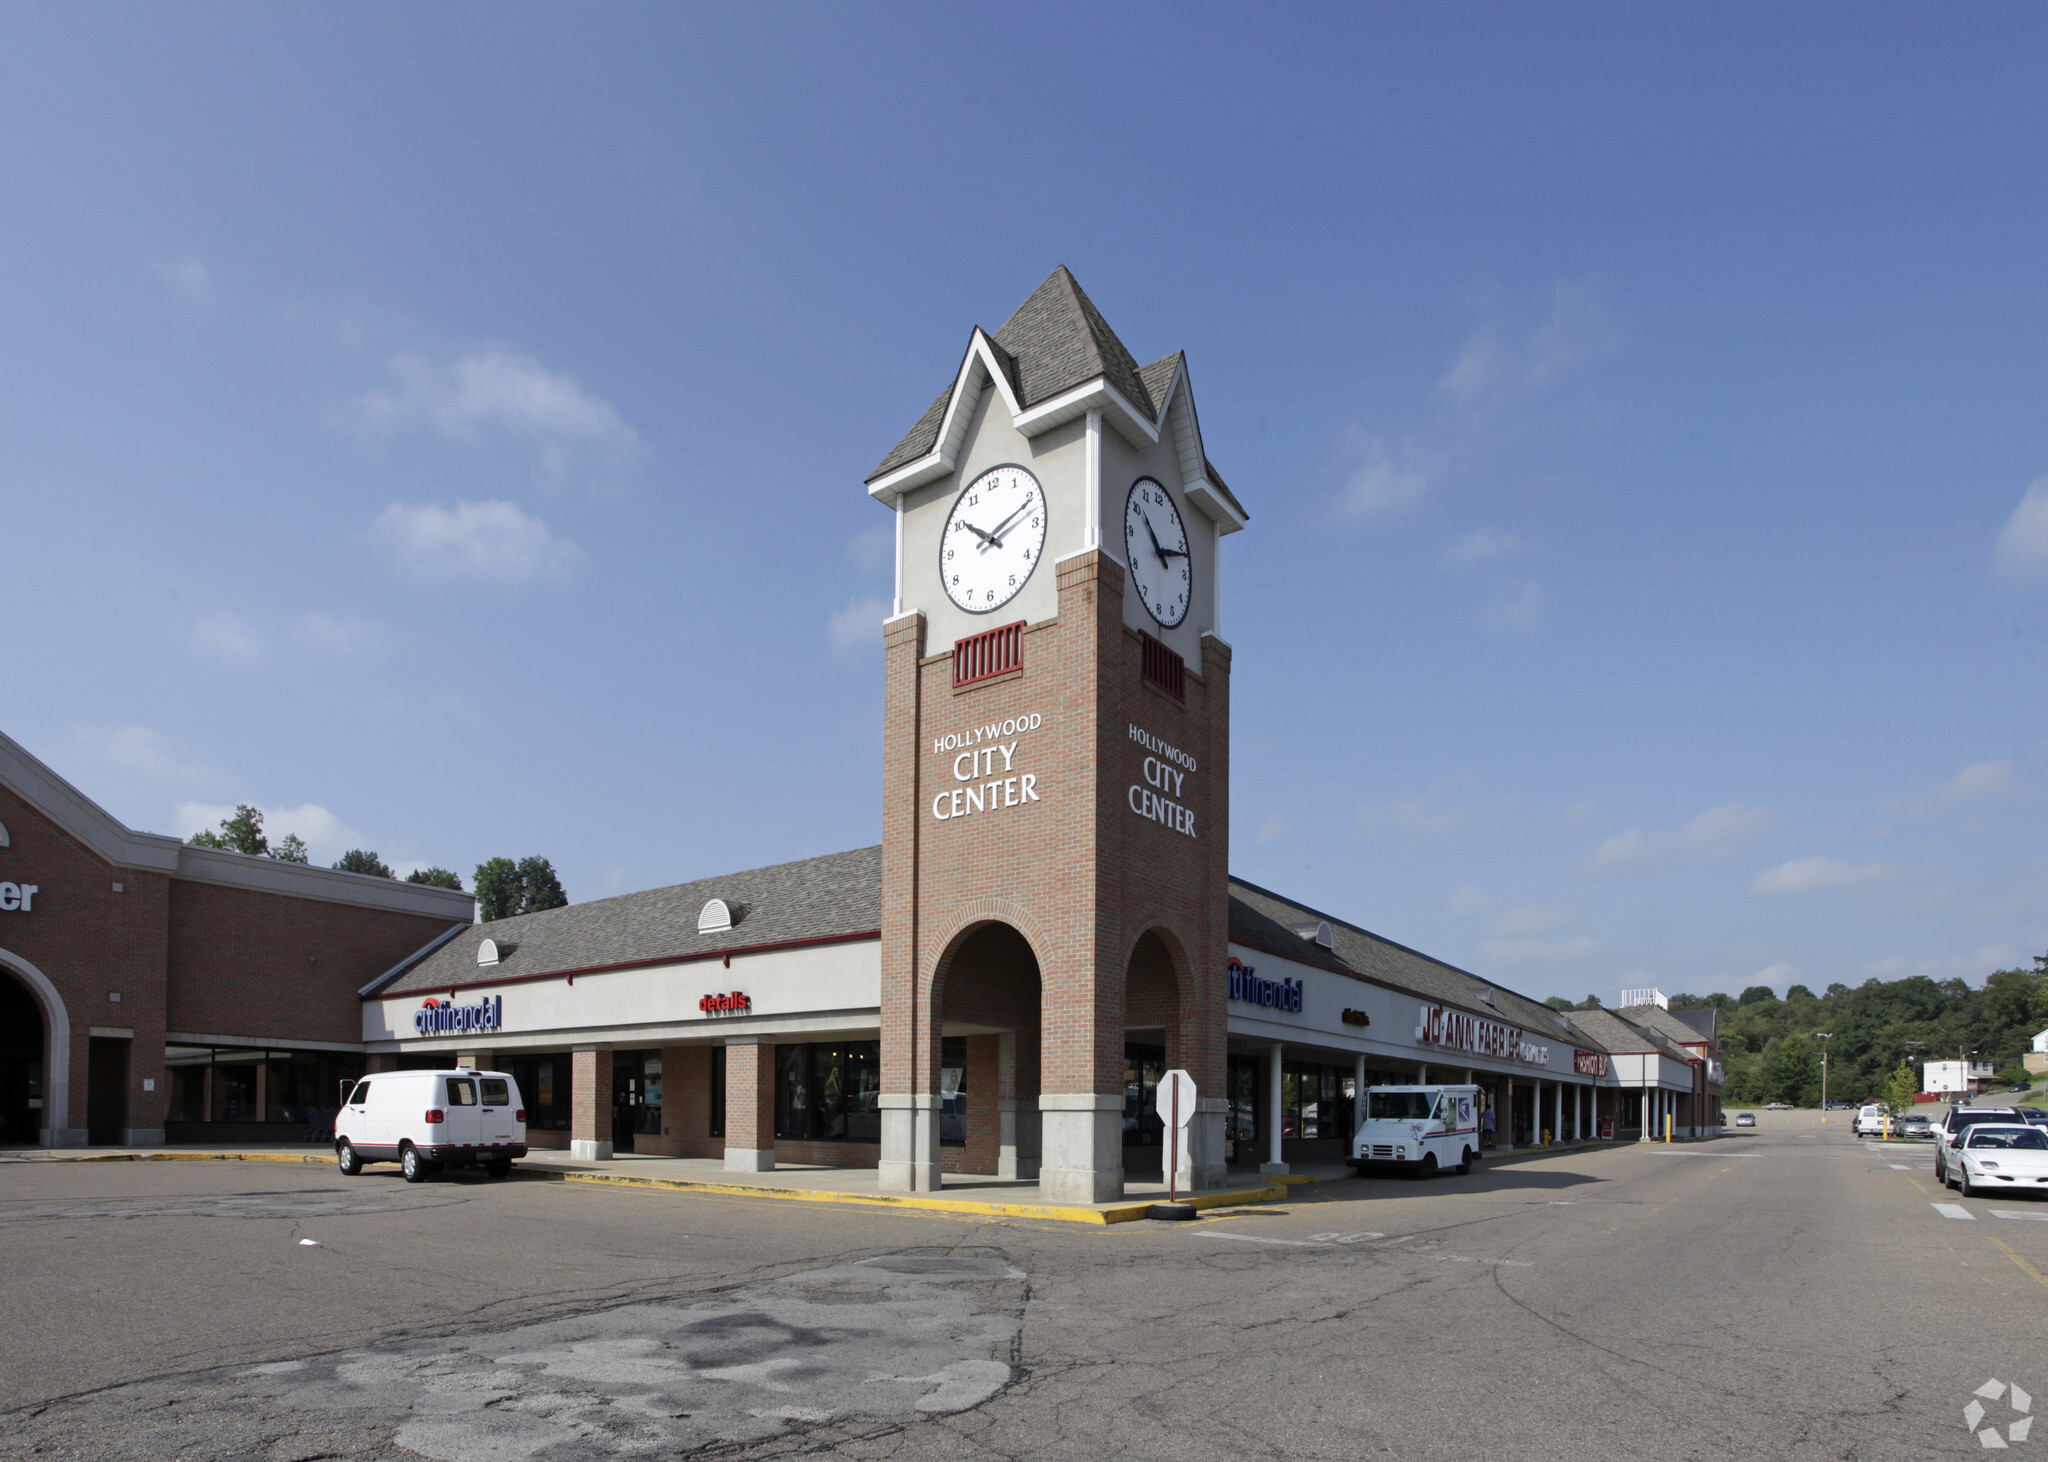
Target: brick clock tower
[(1056, 803)]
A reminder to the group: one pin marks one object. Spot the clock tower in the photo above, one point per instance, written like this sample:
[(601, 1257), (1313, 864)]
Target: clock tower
[(1056, 797)]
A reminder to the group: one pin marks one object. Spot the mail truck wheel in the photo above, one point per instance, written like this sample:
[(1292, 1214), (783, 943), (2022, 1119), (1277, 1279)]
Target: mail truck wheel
[(412, 1165), (1465, 1166), (1428, 1165), (345, 1155), (502, 1168)]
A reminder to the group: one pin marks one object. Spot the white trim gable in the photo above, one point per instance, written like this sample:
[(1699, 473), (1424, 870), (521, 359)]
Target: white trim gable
[(979, 367), (1179, 418)]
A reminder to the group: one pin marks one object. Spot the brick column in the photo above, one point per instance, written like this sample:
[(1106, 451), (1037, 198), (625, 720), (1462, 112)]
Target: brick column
[(480, 1060), (590, 1105), (749, 1106)]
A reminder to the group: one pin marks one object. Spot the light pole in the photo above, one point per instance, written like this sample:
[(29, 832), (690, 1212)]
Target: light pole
[(1823, 1037)]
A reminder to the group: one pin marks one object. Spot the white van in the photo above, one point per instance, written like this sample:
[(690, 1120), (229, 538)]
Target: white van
[(1870, 1120), (428, 1120), (1422, 1129)]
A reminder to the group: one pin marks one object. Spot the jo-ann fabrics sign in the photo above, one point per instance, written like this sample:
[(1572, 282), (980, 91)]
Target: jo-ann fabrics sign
[(436, 1019), (1456, 1031)]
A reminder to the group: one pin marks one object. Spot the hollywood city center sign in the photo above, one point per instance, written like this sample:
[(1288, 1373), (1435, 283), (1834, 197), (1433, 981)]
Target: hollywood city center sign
[(985, 764), (1166, 770)]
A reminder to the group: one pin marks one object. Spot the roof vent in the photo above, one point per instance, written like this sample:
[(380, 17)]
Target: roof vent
[(716, 917), (1485, 992), (1564, 1022), (488, 953), (1316, 931)]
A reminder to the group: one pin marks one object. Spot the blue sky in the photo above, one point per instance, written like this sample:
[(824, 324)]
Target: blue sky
[(445, 429)]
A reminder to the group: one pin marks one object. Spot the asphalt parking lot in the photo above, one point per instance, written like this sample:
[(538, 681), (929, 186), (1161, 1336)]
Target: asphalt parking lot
[(1793, 1293)]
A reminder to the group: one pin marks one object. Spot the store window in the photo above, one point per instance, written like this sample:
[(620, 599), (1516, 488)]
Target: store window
[(302, 1089), (953, 1091), (1144, 1064), (1317, 1102), (1241, 1122), (543, 1079), (717, 1091), (824, 1092)]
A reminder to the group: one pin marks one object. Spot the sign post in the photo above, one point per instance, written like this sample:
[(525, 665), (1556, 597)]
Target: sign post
[(1176, 1104)]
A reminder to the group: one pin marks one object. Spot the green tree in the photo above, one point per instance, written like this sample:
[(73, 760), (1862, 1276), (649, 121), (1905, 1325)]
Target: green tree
[(505, 889), (1900, 1089), (242, 833), (291, 848), (1790, 1071), (1756, 993), (436, 878), (1558, 1002), (362, 860)]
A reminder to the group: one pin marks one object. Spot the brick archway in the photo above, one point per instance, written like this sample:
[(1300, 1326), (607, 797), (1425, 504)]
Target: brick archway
[(56, 1129)]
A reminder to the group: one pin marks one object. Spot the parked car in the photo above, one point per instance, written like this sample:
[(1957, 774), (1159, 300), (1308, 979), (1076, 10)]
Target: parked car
[(1958, 1122), (1745, 1119), (2021, 1086), (1870, 1120), (2000, 1156), (1914, 1126), (1777, 1106), (429, 1120)]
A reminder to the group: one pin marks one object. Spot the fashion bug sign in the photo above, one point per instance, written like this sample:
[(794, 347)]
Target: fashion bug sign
[(436, 1018)]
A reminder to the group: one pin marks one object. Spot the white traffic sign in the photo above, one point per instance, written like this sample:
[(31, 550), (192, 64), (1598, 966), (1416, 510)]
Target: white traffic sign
[(1176, 1084)]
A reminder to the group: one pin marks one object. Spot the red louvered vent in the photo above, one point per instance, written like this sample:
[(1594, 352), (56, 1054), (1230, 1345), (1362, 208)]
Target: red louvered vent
[(1164, 667), (995, 651)]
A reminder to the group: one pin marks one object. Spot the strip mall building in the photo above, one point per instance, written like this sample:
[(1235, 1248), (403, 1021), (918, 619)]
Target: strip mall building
[(1047, 925)]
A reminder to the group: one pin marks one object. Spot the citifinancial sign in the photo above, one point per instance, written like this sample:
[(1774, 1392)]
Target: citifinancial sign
[(1454, 1030), (436, 1018)]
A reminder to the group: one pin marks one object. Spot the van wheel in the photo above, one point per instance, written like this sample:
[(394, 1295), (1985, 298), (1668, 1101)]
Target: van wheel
[(1465, 1166), (499, 1169), (1428, 1166), (412, 1164), (345, 1155)]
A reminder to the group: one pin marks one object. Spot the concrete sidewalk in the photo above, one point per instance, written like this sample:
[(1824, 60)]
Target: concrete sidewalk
[(962, 1193)]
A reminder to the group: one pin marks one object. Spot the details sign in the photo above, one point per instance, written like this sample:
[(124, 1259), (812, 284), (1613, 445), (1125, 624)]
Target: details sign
[(738, 1002), (438, 1019)]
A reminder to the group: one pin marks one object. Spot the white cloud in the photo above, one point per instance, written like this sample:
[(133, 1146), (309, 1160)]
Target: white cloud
[(186, 275), (1803, 875), (496, 389), (1523, 950), (874, 549), (1481, 545), (1517, 608), (488, 543), (338, 634), (858, 627), (1778, 976), (1272, 828), (1421, 820), (2023, 545), (326, 836), (136, 747), (1578, 814), (1718, 833), (1523, 349), (1378, 485), (228, 636), (1982, 781)]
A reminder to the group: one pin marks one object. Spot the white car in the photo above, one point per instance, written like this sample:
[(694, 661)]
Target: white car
[(1996, 1158), (1870, 1120), (429, 1120)]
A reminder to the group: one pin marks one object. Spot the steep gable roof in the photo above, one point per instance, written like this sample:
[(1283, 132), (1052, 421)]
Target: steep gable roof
[(1059, 339)]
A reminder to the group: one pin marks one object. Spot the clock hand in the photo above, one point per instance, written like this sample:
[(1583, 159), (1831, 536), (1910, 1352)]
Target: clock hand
[(1157, 548), (996, 538), (984, 537)]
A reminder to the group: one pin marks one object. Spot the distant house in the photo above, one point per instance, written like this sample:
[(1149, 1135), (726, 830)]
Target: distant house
[(2037, 1059)]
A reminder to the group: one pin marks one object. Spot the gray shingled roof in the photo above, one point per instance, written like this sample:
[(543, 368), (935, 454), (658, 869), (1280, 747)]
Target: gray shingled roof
[(1055, 341), (1263, 919), (817, 898), (1660, 1022), (1158, 378)]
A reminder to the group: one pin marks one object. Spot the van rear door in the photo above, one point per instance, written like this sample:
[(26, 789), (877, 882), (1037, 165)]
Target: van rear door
[(497, 1127), (464, 1122)]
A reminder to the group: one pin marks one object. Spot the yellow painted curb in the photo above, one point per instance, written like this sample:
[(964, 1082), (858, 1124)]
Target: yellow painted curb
[(1120, 1213), (312, 1157)]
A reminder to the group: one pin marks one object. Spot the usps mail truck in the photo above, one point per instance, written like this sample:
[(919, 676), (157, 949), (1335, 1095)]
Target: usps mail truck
[(1418, 1129), (429, 1120)]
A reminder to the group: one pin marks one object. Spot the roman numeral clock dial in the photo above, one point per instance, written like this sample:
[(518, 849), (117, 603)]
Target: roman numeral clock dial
[(993, 539), (1156, 548)]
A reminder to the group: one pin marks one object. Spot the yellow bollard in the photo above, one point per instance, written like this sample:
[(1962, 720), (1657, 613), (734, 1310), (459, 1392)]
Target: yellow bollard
[(1667, 1127), (1546, 1137)]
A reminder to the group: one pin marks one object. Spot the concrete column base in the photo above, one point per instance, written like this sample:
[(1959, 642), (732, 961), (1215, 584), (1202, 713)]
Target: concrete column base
[(142, 1137), (1083, 1160), (590, 1151), (1274, 1170), (63, 1137), (750, 1159), (910, 1143), (1202, 1167), (1019, 1140)]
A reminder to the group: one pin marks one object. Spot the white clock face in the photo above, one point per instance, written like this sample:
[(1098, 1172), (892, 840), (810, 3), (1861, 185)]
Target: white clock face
[(993, 540), (1156, 548)]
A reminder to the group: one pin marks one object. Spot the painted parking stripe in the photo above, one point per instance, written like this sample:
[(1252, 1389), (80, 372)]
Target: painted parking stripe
[(2033, 1213), (1954, 1210), (1898, 1167)]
